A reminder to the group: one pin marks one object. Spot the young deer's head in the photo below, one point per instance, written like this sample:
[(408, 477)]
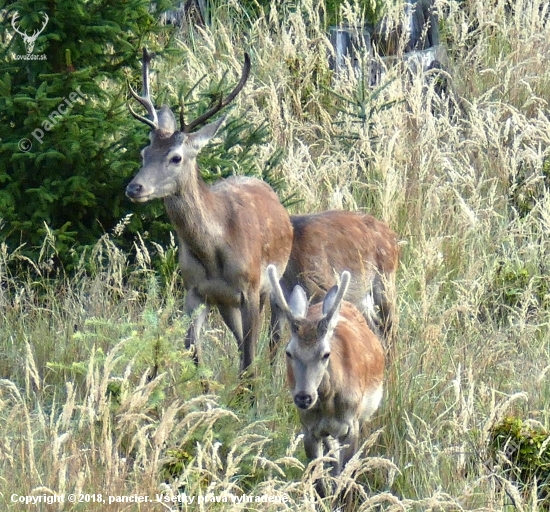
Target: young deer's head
[(309, 349), (169, 162)]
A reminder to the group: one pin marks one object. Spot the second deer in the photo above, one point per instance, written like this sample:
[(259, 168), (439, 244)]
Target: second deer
[(326, 244), (335, 369), (227, 233)]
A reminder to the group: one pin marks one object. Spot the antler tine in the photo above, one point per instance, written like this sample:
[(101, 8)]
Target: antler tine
[(220, 104), (13, 20), (143, 119), (183, 126), (45, 23), (146, 60), (145, 98)]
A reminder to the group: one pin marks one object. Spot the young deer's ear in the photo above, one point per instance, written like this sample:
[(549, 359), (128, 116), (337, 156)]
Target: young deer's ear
[(331, 310), (333, 301), (200, 138), (298, 302)]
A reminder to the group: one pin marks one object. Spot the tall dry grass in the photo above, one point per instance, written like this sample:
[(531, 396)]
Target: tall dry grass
[(98, 394)]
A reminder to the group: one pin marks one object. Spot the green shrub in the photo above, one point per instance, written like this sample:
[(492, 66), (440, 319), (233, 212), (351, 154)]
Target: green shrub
[(526, 450), (63, 174), (516, 284), (63, 163)]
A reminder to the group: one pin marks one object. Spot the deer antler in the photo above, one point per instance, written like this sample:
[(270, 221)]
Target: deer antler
[(29, 40), (46, 19), (145, 98), (333, 304), (187, 128), (13, 20)]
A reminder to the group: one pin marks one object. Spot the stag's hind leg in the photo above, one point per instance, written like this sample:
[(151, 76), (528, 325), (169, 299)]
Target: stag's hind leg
[(244, 323), (378, 308), (234, 318), (384, 299)]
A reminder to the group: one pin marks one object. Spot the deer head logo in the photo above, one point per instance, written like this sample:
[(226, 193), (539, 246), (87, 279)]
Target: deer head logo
[(29, 40)]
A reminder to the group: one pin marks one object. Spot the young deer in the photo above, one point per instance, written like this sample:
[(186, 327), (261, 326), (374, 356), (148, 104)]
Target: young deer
[(335, 368), (327, 243), (227, 232)]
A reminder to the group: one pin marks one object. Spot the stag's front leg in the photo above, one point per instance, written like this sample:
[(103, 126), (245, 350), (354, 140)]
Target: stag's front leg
[(331, 444), (312, 445), (192, 337), (250, 313), (348, 445)]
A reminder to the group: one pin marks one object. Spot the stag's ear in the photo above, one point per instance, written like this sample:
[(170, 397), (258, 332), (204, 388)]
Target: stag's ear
[(200, 138), (166, 120), (298, 303)]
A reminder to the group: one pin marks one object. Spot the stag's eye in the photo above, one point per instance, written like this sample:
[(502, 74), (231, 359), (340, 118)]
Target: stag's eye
[(175, 159), (288, 354), (326, 356)]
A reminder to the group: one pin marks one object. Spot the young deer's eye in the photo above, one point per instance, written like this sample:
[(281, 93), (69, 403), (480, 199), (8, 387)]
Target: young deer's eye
[(288, 354), (176, 159), (326, 356)]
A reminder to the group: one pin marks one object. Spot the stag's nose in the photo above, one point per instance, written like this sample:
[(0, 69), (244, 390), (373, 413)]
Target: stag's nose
[(303, 400), (134, 190)]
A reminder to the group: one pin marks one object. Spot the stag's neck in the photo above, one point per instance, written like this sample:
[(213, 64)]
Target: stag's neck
[(195, 213)]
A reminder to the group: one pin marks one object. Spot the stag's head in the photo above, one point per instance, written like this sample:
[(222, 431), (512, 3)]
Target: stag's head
[(169, 161), (29, 40), (309, 349)]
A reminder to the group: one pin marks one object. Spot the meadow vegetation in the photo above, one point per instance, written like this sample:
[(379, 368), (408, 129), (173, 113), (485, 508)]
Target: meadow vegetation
[(98, 394)]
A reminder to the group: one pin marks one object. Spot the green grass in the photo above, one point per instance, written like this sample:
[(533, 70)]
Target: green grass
[(99, 395)]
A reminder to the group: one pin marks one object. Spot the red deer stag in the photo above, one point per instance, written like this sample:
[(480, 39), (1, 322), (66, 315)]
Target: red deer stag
[(327, 243), (335, 368), (227, 232)]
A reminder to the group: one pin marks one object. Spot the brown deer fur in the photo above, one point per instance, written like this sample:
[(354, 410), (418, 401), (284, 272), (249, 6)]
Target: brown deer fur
[(327, 243), (228, 232), (335, 368)]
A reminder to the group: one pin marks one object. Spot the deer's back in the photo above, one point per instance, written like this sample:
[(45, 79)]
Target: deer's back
[(250, 229), (255, 219), (329, 242)]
